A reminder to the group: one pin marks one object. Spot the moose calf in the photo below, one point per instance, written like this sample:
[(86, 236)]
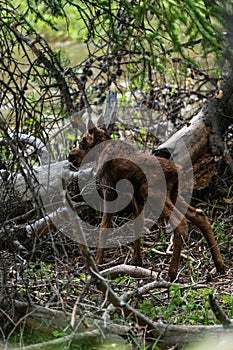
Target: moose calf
[(120, 160)]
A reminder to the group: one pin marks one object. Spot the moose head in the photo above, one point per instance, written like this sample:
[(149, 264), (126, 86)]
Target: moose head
[(92, 137)]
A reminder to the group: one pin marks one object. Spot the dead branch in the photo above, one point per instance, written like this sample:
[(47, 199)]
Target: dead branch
[(132, 271), (50, 66), (52, 219), (147, 287)]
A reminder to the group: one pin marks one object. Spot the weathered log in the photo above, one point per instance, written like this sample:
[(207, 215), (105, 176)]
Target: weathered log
[(47, 320), (42, 185)]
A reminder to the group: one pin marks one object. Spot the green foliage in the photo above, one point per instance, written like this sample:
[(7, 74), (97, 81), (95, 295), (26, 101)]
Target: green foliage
[(187, 306), (161, 245), (147, 309), (147, 27), (230, 194), (145, 34), (228, 303), (58, 334)]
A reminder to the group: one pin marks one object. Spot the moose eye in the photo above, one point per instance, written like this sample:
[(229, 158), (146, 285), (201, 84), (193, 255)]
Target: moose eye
[(83, 144)]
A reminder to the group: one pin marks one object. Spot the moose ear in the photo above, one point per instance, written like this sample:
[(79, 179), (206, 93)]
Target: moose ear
[(91, 126)]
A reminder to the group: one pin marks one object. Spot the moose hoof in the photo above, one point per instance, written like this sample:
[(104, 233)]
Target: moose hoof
[(136, 261), (221, 268)]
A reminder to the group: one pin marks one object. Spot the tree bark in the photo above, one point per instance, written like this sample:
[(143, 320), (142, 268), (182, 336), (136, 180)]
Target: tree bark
[(195, 136)]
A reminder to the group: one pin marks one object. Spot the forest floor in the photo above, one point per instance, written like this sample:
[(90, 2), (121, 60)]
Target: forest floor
[(55, 273)]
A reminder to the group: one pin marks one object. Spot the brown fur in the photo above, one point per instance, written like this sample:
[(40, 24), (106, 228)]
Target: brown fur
[(114, 164)]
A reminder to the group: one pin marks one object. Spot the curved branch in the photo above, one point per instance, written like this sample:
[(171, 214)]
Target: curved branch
[(218, 312)]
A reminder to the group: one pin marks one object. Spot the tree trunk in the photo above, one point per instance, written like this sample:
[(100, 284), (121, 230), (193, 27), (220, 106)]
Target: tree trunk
[(204, 136)]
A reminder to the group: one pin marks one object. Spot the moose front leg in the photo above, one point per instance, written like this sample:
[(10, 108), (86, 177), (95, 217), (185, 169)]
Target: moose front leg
[(109, 195), (105, 225)]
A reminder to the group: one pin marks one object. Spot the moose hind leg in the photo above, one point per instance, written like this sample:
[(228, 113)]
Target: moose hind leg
[(198, 218), (178, 222)]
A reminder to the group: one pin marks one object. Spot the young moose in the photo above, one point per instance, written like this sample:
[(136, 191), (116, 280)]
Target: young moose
[(117, 161)]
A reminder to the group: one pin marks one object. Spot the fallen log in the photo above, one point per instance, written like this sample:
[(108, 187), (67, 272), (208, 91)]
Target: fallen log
[(46, 321), (37, 187)]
